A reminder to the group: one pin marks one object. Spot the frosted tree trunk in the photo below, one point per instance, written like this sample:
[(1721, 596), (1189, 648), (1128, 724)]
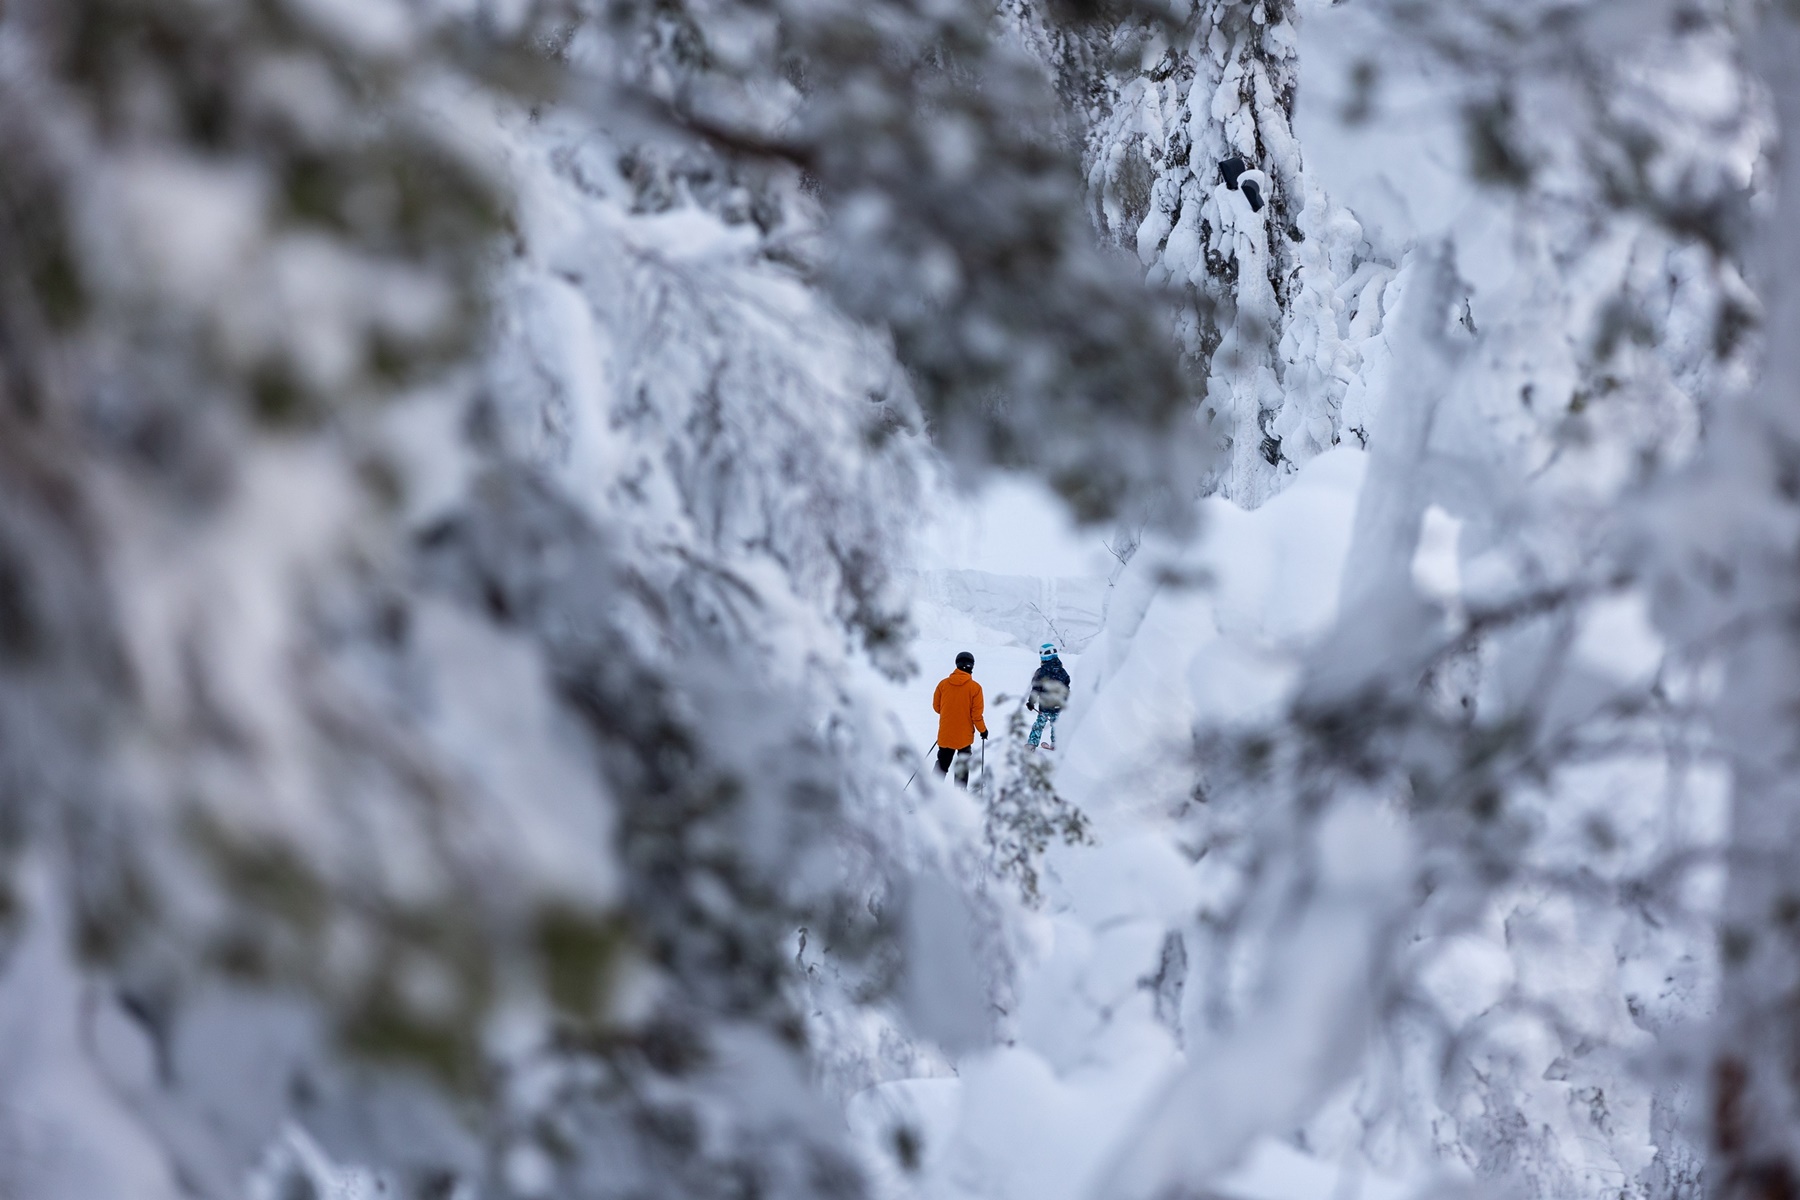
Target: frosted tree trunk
[(1754, 1118)]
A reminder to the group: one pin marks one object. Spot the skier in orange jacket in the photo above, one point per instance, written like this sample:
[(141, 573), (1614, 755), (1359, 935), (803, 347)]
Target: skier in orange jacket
[(957, 702)]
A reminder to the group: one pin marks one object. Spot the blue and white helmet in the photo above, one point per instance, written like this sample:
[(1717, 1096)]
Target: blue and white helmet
[(1047, 651)]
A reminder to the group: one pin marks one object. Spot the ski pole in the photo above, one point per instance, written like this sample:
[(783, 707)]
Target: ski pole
[(915, 773)]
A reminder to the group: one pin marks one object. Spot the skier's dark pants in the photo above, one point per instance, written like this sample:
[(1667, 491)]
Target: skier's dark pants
[(946, 754)]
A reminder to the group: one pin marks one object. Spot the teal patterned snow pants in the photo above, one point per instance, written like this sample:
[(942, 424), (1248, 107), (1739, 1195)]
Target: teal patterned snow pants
[(1037, 730)]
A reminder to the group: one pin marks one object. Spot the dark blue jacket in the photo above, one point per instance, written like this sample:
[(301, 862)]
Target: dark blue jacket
[(1050, 686)]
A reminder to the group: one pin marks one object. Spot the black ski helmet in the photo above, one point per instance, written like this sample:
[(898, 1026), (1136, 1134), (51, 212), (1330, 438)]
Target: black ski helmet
[(965, 661)]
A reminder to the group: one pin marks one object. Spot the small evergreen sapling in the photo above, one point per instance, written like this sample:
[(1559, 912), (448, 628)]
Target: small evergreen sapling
[(1025, 813)]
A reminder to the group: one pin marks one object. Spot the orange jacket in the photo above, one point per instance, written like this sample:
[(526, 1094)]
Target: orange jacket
[(957, 702)]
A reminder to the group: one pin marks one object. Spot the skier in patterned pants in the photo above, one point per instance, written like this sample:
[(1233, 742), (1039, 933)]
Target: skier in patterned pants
[(1049, 692)]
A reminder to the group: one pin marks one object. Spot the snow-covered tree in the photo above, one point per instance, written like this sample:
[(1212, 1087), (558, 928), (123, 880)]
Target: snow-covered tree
[(1194, 166), (1726, 588), (1543, 365), (457, 464)]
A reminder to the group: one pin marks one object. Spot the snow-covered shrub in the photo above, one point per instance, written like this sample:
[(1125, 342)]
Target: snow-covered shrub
[(1024, 813)]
